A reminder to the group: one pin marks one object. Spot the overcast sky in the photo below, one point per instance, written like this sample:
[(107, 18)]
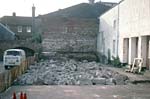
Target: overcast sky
[(23, 7)]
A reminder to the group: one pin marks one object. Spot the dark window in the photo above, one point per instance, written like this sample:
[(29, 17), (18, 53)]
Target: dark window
[(114, 46), (114, 24), (14, 53)]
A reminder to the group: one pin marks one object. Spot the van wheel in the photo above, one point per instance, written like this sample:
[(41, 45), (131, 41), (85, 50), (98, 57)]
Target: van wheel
[(6, 67)]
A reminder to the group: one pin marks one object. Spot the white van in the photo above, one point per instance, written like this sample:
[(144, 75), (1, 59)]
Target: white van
[(13, 57)]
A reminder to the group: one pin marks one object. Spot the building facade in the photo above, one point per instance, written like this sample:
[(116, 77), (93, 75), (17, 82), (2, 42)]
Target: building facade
[(18, 32), (107, 41), (133, 30), (22, 26)]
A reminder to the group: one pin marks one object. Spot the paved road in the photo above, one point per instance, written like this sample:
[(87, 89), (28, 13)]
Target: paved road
[(133, 77), (81, 92), (1, 67)]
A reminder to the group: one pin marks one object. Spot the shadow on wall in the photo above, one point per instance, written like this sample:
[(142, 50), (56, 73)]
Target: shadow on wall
[(80, 56), (28, 51), (102, 58), (109, 56), (106, 44), (105, 59), (111, 60)]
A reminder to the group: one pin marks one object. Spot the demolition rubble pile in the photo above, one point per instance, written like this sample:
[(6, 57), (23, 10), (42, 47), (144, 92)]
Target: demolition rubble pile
[(70, 72)]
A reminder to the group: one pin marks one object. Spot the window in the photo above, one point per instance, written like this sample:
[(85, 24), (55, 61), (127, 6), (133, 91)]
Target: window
[(114, 44), (66, 29), (19, 28), (114, 24), (28, 28), (14, 53)]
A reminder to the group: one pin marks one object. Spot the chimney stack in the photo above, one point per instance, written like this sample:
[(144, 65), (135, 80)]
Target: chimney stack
[(33, 19), (91, 1), (33, 11), (14, 14)]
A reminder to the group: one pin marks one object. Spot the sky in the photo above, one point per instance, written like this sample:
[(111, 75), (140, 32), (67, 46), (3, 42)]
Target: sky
[(24, 7)]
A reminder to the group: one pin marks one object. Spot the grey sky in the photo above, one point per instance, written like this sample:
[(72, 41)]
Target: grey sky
[(23, 7)]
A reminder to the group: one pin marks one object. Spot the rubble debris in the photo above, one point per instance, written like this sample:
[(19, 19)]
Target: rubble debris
[(70, 72)]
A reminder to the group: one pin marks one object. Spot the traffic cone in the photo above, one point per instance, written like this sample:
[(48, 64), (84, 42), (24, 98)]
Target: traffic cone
[(14, 96), (21, 95), (25, 96)]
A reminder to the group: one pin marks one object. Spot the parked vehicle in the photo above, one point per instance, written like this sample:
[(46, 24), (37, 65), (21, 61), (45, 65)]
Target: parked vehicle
[(13, 57)]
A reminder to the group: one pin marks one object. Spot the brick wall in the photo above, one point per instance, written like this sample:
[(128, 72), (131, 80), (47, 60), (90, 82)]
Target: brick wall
[(69, 34)]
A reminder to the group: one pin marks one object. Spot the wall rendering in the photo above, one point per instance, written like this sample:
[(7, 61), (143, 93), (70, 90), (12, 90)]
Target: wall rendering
[(133, 29)]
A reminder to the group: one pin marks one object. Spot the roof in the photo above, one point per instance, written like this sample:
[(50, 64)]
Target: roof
[(14, 50), (5, 33), (83, 10), (113, 3), (16, 20)]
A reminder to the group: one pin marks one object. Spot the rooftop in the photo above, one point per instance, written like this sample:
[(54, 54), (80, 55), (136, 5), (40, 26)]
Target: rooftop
[(5, 33), (15, 20), (83, 10)]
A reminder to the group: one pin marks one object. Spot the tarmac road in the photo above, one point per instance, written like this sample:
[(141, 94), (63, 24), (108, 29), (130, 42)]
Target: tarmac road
[(2, 69), (81, 92)]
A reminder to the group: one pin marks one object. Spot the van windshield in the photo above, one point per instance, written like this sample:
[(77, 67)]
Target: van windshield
[(14, 53)]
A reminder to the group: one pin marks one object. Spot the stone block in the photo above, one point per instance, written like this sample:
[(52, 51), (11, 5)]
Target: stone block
[(99, 81)]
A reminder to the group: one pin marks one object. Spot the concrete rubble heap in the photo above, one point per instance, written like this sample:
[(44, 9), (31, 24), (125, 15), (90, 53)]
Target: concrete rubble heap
[(70, 72)]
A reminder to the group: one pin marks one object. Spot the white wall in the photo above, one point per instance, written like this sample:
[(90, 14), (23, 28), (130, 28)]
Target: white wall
[(134, 21), (107, 32), (134, 18)]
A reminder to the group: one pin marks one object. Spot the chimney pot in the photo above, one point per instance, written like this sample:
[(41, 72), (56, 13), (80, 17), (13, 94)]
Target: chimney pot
[(14, 14)]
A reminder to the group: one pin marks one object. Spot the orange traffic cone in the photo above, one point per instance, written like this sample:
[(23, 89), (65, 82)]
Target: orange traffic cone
[(14, 96), (21, 95), (25, 96)]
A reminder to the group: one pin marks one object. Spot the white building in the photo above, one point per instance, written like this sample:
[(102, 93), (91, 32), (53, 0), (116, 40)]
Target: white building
[(125, 31), (108, 36)]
